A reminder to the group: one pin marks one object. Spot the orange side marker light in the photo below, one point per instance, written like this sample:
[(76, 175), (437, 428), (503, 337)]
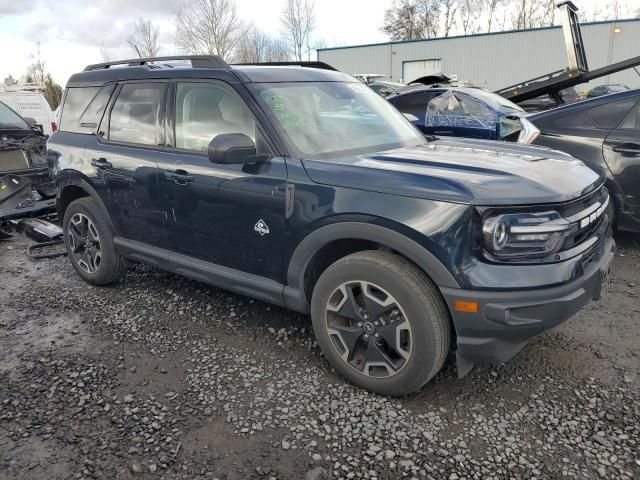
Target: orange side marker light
[(468, 306)]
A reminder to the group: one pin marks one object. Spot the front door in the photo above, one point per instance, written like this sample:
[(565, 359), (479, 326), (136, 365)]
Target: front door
[(228, 215)]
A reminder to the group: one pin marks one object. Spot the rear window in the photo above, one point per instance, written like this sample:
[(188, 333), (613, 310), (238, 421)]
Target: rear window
[(83, 108)]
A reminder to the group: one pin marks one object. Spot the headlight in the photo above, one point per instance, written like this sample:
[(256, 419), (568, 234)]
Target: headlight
[(531, 235)]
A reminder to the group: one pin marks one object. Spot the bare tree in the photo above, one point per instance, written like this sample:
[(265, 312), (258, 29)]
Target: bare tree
[(491, 6), (144, 38), (402, 21), (430, 12), (449, 9), (105, 53), (256, 47), (412, 19), (209, 27), (532, 14), (298, 21), (470, 12)]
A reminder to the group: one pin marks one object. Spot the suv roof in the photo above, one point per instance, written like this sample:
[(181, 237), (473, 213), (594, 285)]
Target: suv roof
[(201, 66)]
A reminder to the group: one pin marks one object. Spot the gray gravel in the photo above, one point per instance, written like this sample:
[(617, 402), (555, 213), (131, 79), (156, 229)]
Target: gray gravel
[(162, 377)]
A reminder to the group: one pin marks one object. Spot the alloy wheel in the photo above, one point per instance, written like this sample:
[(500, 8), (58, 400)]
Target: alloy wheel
[(85, 243), (368, 329)]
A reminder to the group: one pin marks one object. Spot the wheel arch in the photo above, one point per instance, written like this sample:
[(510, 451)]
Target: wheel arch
[(327, 244), (71, 188)]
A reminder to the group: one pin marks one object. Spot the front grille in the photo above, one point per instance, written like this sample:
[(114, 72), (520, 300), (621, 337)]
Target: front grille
[(588, 214)]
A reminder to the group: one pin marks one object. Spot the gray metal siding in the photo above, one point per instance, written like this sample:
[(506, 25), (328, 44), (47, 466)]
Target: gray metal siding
[(497, 60)]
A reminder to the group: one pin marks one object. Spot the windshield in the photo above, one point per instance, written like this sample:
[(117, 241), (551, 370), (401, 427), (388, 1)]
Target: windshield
[(10, 119), (335, 118)]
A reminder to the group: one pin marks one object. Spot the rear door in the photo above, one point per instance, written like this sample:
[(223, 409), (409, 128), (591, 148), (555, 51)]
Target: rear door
[(123, 160), (621, 151)]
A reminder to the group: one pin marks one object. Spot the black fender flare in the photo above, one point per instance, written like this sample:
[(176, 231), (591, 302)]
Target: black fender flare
[(294, 293), (76, 181)]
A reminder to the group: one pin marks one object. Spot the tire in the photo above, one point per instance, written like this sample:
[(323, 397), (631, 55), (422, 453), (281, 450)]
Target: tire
[(419, 327), (6, 232), (110, 266)]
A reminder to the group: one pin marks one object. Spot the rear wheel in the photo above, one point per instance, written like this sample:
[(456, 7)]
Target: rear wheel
[(381, 322), (88, 237)]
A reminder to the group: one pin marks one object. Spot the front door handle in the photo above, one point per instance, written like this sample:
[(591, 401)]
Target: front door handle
[(101, 163), (632, 148), (179, 177)]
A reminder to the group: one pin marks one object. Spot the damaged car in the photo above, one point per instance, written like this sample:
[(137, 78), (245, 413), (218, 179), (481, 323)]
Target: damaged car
[(304, 188), (459, 112), (26, 186)]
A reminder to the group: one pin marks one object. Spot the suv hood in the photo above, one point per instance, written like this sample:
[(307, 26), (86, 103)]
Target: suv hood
[(477, 172)]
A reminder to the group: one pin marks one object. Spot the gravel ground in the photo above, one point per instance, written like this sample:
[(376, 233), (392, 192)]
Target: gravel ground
[(163, 377)]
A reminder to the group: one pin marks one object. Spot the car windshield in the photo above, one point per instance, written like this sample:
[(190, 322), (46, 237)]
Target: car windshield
[(10, 119), (330, 119)]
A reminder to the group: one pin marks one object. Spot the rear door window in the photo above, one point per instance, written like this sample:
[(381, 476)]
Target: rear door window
[(415, 103), (611, 114), (135, 116), (632, 121)]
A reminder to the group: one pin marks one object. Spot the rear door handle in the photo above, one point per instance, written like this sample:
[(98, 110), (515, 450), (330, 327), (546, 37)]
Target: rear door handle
[(101, 163), (632, 148), (179, 177)]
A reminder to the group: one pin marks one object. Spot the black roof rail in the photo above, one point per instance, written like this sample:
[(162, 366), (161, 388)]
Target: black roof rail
[(320, 65), (197, 61)]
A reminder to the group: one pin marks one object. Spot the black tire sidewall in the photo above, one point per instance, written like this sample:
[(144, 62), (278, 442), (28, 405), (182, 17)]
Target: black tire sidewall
[(109, 262), (425, 350)]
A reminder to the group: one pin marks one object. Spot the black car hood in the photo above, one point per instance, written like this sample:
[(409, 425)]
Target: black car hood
[(478, 172)]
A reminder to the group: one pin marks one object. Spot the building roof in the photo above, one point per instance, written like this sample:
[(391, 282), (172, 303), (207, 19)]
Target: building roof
[(418, 40)]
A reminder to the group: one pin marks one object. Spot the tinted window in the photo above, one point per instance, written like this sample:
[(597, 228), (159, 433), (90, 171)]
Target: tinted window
[(75, 102), (135, 114), (611, 114), (632, 122), (10, 119), (415, 103), (204, 110)]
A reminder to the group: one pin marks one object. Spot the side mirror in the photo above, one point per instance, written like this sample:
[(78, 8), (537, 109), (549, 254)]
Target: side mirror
[(230, 148)]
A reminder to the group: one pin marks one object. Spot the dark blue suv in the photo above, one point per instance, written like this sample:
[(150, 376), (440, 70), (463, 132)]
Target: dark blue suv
[(304, 188)]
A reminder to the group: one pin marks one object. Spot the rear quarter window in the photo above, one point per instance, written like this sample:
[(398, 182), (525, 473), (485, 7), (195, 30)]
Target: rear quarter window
[(83, 108)]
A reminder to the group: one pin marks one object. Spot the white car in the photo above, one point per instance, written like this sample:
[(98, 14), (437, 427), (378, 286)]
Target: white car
[(31, 105)]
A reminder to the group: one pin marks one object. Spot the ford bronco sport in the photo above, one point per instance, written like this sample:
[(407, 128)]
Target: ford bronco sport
[(302, 187)]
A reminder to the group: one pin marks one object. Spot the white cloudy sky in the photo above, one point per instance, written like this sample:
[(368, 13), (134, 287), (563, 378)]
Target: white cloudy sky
[(70, 32)]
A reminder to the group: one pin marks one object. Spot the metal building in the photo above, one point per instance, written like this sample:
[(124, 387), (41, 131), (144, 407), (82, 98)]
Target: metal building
[(494, 60)]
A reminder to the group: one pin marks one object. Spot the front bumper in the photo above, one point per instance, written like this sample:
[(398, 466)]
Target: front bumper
[(506, 320)]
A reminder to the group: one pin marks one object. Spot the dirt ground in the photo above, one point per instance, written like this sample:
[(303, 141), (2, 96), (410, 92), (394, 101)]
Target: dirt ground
[(163, 377)]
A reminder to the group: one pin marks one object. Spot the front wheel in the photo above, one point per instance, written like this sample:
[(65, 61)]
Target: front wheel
[(380, 322)]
